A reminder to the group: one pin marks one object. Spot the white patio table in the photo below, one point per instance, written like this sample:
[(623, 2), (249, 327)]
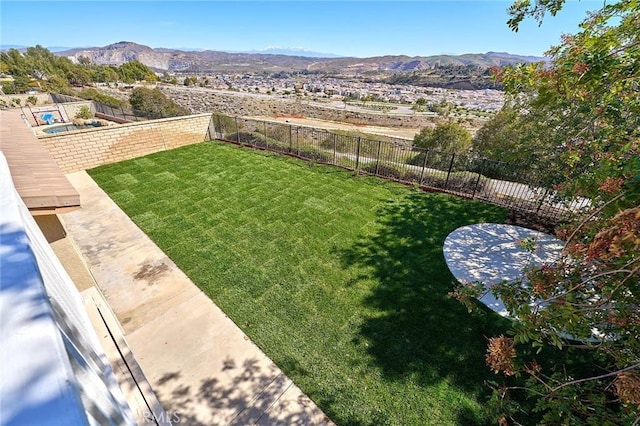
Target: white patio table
[(493, 253)]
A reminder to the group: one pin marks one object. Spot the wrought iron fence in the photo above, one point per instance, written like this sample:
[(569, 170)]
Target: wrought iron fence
[(123, 114), (59, 98), (495, 182), (119, 113)]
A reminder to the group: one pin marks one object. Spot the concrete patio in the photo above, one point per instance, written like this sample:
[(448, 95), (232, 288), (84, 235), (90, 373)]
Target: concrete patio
[(203, 368)]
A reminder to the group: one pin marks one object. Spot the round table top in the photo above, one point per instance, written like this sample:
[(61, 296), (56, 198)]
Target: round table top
[(492, 253)]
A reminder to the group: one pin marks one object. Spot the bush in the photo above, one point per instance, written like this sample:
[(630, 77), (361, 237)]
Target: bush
[(84, 112), (383, 170), (448, 137), (370, 146), (155, 103), (224, 124), (497, 169), (94, 95), (466, 183), (314, 155), (391, 172), (257, 139)]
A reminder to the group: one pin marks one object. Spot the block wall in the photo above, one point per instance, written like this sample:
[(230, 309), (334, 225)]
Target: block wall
[(88, 148)]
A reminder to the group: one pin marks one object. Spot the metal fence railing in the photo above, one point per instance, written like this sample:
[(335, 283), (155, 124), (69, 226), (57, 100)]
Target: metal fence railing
[(59, 98), (495, 182), (124, 114), (119, 113)]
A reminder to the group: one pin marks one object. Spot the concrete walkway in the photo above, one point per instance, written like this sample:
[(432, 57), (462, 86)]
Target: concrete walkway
[(203, 368)]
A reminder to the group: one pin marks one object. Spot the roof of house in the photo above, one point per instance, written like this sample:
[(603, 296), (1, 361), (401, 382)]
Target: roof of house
[(39, 181)]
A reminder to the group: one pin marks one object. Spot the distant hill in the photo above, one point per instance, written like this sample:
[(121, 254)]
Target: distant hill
[(22, 48), (420, 63), (11, 46), (163, 59), (189, 61), (293, 51)]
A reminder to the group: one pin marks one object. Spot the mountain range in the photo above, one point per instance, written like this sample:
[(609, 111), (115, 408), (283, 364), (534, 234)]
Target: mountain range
[(293, 51), (174, 60)]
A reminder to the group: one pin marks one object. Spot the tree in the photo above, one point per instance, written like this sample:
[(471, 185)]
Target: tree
[(445, 137), (84, 60), (420, 105), (21, 84), (42, 62), (84, 112), (155, 103), (133, 71), (106, 74), (8, 88), (585, 105), (96, 95), (14, 63), (515, 139)]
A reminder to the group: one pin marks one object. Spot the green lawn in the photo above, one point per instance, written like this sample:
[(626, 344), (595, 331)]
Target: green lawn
[(341, 280)]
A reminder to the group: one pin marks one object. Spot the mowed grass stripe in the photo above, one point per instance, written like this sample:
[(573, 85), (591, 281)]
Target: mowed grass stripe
[(339, 279)]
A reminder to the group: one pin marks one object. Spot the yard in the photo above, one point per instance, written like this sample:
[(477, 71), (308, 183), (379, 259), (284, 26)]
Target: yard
[(341, 280)]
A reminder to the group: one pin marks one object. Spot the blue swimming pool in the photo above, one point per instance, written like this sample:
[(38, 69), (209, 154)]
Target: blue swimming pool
[(68, 128)]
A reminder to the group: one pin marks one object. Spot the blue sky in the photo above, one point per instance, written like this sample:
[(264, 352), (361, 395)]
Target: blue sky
[(348, 28)]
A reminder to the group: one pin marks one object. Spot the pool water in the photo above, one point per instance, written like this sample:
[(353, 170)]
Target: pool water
[(68, 128)]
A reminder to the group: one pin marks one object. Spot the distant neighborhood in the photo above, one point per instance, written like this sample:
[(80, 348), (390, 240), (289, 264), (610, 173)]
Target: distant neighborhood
[(376, 86), (346, 89)]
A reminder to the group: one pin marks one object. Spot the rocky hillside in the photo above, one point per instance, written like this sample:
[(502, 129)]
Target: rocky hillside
[(402, 64), (215, 61), (188, 61)]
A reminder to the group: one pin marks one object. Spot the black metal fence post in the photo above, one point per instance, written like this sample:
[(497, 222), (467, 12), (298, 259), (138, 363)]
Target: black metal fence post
[(298, 141), (266, 140), (544, 196), (446, 182), (335, 147), (358, 153), (475, 189), (218, 129), (290, 138), (237, 130), (424, 165), (378, 157)]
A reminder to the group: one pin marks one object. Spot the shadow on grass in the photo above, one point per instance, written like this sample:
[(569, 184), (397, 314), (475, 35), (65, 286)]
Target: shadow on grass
[(422, 333)]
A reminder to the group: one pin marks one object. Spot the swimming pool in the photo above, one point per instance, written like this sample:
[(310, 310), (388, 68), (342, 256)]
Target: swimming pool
[(68, 128)]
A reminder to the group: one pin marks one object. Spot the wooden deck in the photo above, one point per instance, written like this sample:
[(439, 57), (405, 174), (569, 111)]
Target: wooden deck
[(38, 179)]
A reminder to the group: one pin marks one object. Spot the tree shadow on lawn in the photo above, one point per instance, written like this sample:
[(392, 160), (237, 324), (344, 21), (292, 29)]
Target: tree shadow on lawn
[(422, 332)]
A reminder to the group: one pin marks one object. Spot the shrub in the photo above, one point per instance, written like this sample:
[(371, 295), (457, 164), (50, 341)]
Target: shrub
[(257, 139), (84, 112), (466, 183), (444, 137), (314, 155), (224, 124), (93, 94), (155, 103), (383, 170)]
